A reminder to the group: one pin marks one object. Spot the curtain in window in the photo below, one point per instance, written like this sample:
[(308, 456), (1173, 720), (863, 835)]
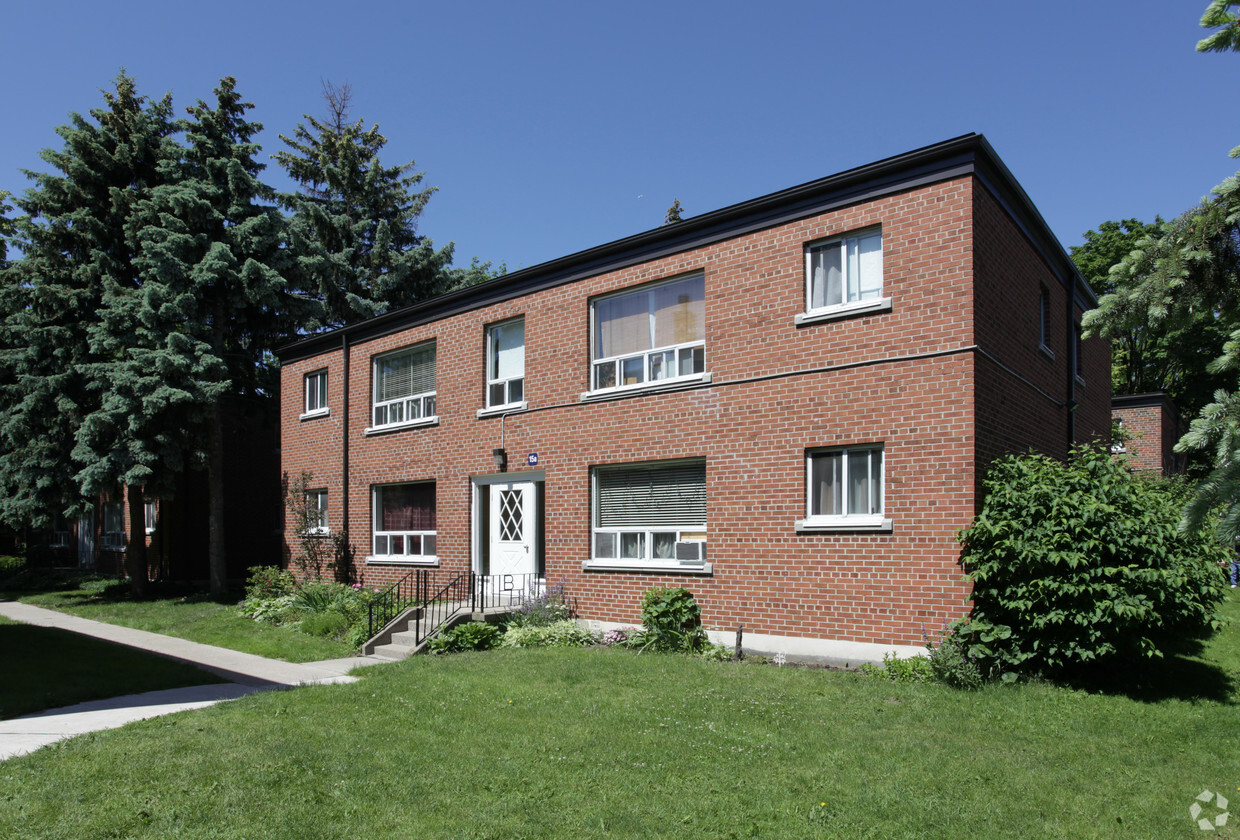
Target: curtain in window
[(508, 350), (623, 324), (405, 374), (651, 497), (827, 484), (865, 267), (679, 312), (407, 507), (828, 273)]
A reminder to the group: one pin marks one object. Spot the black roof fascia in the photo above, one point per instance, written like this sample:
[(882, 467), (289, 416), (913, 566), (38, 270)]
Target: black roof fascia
[(1142, 400), (967, 154)]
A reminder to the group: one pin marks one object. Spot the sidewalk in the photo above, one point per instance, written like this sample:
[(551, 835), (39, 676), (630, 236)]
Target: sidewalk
[(246, 672)]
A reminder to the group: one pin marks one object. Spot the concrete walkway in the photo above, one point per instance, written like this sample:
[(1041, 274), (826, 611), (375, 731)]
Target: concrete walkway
[(246, 672)]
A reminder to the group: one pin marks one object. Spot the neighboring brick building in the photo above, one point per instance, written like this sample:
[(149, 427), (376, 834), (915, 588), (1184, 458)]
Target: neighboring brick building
[(1150, 427), (786, 406)]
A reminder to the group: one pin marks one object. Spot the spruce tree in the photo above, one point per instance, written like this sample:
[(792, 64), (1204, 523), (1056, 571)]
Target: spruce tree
[(355, 221), (74, 236)]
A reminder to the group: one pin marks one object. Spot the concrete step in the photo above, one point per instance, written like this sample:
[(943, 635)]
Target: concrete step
[(408, 638), (394, 652)]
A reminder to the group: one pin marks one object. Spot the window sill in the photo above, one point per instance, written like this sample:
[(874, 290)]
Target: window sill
[(1079, 381), (510, 408), (870, 524), (318, 412), (321, 531), (388, 560), (396, 427), (843, 310), (667, 568), (647, 387), (1047, 352)]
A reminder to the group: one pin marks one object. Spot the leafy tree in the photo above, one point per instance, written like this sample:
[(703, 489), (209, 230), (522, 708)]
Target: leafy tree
[(1171, 357), (355, 221), (674, 212), (1081, 562), (76, 250), (1191, 276)]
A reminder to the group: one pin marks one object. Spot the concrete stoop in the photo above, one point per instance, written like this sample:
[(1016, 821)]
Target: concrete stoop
[(398, 640)]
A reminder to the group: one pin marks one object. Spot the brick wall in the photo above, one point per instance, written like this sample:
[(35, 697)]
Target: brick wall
[(1152, 426), (908, 378)]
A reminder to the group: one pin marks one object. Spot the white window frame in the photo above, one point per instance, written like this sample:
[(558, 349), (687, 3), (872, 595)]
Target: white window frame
[(113, 540), (653, 363), (150, 513), (410, 410), (845, 306), (314, 394), (688, 537), (512, 386), (872, 521), (404, 540), (60, 530), (316, 500)]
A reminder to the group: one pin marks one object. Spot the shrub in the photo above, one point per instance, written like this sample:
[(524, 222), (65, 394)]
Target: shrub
[(895, 669), (269, 610), (327, 623), (473, 635), (541, 609), (322, 597), (10, 565), (619, 637), (566, 633), (950, 660), (717, 653), (671, 620), (1076, 562), (268, 582)]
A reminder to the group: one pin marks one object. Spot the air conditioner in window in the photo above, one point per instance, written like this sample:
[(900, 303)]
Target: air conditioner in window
[(690, 552)]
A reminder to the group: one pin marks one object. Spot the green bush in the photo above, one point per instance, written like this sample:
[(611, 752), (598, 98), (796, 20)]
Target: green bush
[(327, 623), (950, 660), (270, 610), (547, 607), (671, 620), (564, 633), (473, 635), (268, 582), (895, 669), (1077, 562), (10, 565)]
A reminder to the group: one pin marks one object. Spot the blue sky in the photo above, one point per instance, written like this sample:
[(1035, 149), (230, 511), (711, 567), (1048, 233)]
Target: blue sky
[(553, 127)]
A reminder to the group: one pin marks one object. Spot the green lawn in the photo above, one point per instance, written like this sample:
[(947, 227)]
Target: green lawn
[(45, 668), (193, 616), (605, 743)]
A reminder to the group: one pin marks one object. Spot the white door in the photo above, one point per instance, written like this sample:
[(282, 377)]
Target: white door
[(512, 528), (86, 540)]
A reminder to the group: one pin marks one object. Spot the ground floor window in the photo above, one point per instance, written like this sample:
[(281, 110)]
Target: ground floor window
[(404, 521), (113, 525), (650, 514), (60, 531), (316, 512), (844, 487)]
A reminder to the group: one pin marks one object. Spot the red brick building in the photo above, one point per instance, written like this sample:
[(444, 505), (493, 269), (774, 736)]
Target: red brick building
[(786, 406), (1150, 429)]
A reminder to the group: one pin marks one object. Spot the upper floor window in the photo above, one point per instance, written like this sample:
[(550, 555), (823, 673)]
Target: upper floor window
[(404, 521), (506, 364), (845, 488), (315, 393), (404, 387), (650, 515), (650, 336), (1044, 321), (60, 530), (844, 275), (113, 525), (1078, 363)]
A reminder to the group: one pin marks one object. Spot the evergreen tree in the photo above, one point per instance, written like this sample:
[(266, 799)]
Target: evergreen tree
[(674, 213), (76, 249), (354, 220)]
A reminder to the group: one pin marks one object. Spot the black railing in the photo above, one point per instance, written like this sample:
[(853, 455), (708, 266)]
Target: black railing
[(490, 591), (413, 589), (449, 600)]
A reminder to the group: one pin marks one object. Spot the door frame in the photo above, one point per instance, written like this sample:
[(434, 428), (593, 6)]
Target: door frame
[(479, 523)]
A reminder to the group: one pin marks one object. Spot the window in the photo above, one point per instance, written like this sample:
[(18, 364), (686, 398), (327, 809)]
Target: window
[(650, 515), (845, 489), (316, 512), (316, 393), (650, 336), (113, 526), (1077, 362), (405, 387), (506, 364), (844, 275), (404, 522), (1044, 322), (149, 515), (60, 531)]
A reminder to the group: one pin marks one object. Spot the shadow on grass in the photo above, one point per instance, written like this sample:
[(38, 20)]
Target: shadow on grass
[(1180, 675), (77, 588)]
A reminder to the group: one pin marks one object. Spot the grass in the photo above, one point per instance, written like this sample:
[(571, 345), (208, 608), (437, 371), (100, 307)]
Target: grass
[(185, 614), (46, 668), (605, 743)]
